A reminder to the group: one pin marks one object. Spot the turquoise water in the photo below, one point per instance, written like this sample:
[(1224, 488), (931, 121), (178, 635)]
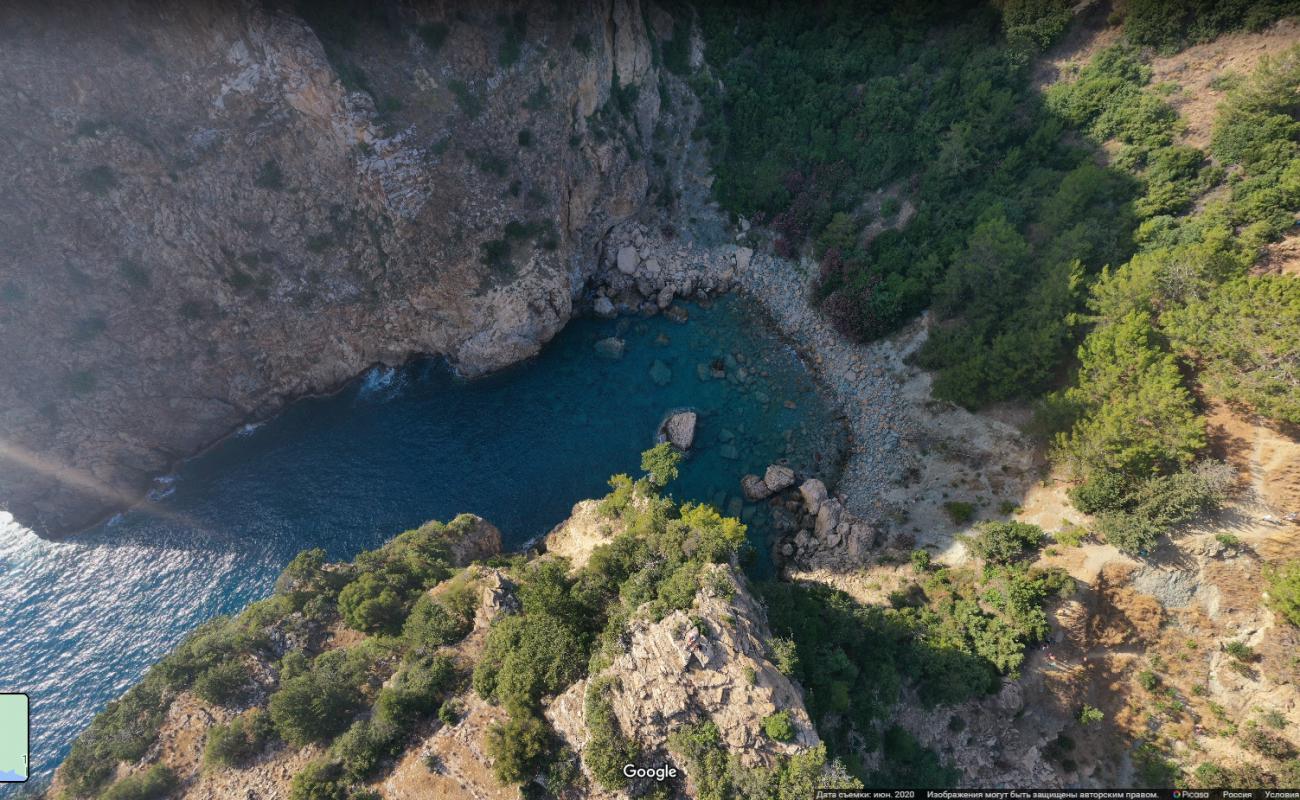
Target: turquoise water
[(82, 619)]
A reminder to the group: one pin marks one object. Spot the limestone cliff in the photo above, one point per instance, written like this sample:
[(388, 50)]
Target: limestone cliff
[(212, 208)]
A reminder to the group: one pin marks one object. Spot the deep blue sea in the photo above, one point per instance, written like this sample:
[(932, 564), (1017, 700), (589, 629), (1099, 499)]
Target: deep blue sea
[(82, 619)]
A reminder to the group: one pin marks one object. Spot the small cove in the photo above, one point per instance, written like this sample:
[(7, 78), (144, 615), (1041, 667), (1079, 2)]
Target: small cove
[(85, 617)]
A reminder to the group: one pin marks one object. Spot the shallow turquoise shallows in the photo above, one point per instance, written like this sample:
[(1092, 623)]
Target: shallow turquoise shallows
[(82, 619)]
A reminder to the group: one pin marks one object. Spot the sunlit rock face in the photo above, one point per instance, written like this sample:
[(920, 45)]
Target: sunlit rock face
[(214, 207)]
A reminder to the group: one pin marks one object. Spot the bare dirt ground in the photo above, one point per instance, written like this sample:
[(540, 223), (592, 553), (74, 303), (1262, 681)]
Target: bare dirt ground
[(1281, 258), (1203, 74)]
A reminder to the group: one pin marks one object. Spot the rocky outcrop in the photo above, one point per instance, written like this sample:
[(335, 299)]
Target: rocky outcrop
[(471, 538), (710, 664), (644, 270), (679, 429), (821, 533), (240, 206)]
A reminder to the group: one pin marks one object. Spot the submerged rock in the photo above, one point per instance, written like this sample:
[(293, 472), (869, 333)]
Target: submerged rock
[(660, 373), (679, 429), (754, 488), (729, 452), (611, 347), (604, 307)]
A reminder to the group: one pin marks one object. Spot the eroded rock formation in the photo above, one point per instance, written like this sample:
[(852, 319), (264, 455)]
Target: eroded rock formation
[(214, 208)]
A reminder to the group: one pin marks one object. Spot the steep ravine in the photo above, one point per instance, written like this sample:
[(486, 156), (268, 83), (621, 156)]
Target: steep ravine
[(215, 208)]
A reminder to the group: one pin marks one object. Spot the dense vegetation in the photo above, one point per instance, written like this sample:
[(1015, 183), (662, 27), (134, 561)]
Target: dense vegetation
[(824, 106), (361, 701), (836, 119)]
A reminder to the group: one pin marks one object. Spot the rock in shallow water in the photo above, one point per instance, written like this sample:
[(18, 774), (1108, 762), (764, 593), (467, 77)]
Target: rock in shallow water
[(660, 373), (603, 307), (778, 477), (754, 488), (679, 429), (611, 347), (814, 492)]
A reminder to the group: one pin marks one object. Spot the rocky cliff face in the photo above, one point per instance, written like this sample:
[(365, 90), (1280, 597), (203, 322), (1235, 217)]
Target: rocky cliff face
[(215, 207)]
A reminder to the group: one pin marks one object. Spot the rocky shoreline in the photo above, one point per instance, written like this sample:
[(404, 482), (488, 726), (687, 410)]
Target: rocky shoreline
[(644, 270)]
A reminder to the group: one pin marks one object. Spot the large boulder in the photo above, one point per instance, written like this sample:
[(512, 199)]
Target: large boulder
[(828, 517), (679, 429), (813, 492), (778, 478), (755, 488), (627, 260)]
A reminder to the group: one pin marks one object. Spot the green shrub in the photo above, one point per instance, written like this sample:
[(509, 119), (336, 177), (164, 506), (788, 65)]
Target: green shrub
[(907, 763), (123, 731), (1006, 542), (921, 560), (319, 704), (414, 693), (660, 464), (319, 780), (225, 684), (1243, 335), (1284, 590), (778, 727), (1089, 715), (607, 750), (1170, 25), (1141, 419), (431, 624), (1240, 651), (1034, 24), (528, 656), (959, 511), (677, 50), (362, 747), (153, 784), (450, 712), (1153, 769), (1266, 743), (517, 747), (370, 604), (238, 742)]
